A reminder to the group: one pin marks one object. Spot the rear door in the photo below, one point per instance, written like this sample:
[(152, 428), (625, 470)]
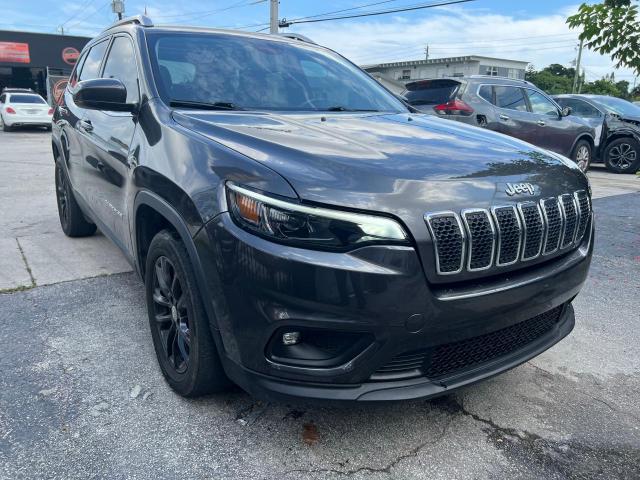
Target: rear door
[(108, 136), (426, 94), (514, 118)]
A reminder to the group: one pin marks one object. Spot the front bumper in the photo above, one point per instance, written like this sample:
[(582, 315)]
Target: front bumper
[(259, 288)]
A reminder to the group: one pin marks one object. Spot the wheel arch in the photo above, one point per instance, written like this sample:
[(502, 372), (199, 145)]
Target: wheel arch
[(165, 216), (588, 138), (620, 134)]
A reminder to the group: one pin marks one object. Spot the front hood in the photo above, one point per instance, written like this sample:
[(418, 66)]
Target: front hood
[(394, 163)]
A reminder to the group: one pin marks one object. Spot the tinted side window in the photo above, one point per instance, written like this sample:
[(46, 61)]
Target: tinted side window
[(541, 104), (76, 71), (579, 108), (511, 98), (2, 98), (486, 92), (91, 67), (121, 64)]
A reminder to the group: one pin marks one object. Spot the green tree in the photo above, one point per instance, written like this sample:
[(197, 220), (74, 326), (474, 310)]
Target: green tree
[(553, 79), (611, 28), (601, 87)]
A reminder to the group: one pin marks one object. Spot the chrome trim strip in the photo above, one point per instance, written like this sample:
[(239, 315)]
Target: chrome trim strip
[(499, 234), (564, 214), (470, 238), (524, 229), (427, 218), (576, 195), (547, 226)]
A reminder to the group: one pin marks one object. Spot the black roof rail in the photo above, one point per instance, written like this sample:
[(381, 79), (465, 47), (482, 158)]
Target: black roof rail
[(141, 20), (297, 36)]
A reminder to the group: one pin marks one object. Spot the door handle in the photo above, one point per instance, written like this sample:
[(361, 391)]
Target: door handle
[(504, 117), (86, 125), (541, 123), (62, 110)]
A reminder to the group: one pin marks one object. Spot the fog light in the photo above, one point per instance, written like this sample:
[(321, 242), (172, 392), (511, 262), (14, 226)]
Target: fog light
[(291, 338)]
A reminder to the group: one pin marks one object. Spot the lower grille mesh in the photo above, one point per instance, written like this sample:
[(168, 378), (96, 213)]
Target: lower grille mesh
[(455, 357)]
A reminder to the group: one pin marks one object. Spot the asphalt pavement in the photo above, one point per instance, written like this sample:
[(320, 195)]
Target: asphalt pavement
[(81, 395)]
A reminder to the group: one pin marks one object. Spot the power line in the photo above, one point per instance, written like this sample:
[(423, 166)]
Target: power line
[(212, 12), (82, 9), (88, 16), (444, 50), (345, 10), (206, 13), (288, 23)]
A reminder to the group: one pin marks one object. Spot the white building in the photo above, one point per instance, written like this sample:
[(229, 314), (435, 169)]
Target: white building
[(448, 67)]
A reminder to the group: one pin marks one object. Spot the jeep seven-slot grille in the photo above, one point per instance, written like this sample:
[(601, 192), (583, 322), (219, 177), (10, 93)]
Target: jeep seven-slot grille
[(456, 357), (478, 239)]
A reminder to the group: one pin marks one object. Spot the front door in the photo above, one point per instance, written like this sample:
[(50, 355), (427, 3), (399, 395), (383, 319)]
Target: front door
[(108, 157), (554, 132)]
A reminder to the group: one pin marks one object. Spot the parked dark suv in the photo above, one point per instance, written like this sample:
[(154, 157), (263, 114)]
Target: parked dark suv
[(300, 232), (513, 107), (617, 126)]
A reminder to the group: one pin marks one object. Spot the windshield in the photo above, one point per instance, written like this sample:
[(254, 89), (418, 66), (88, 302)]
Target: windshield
[(617, 105), (238, 72), (26, 99)]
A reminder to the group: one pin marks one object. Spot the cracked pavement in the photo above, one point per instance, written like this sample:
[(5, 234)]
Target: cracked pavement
[(81, 395)]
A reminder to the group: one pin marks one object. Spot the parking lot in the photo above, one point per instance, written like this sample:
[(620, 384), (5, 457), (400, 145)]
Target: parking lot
[(81, 395)]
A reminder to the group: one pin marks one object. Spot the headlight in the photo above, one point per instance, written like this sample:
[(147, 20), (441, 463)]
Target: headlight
[(306, 226)]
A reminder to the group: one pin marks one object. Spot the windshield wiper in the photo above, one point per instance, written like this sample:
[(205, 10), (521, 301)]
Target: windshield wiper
[(340, 108), (204, 105)]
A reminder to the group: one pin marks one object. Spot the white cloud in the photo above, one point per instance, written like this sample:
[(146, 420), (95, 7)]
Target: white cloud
[(540, 40)]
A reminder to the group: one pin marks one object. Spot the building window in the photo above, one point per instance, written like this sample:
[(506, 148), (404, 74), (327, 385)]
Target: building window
[(513, 73), (406, 75), (492, 71)]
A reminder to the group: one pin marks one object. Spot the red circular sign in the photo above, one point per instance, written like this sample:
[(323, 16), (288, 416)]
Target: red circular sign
[(70, 55), (58, 90)]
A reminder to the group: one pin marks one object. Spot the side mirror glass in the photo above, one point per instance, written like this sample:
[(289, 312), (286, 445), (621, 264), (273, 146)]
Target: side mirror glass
[(108, 94), (566, 111)]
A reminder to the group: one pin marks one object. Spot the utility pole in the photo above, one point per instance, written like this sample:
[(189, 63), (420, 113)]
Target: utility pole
[(577, 74), (274, 17), (426, 52)]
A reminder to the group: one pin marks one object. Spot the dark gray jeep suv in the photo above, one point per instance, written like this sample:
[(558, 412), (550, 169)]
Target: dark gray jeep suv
[(300, 232), (513, 107)]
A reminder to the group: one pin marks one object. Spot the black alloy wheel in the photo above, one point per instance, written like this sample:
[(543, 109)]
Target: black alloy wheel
[(171, 314), (72, 220), (62, 196), (180, 327), (623, 155)]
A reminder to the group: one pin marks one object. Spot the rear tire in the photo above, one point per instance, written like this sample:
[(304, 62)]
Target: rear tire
[(182, 339), (582, 153), (5, 127), (622, 156), (72, 220)]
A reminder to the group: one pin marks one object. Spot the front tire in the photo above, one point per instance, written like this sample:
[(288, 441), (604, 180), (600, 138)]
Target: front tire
[(186, 352), (72, 220), (622, 156), (582, 155)]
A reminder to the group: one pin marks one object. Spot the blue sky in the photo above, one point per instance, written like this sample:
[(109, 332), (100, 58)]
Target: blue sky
[(533, 31)]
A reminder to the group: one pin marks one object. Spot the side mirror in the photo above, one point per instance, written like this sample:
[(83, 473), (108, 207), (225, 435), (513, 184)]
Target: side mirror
[(107, 94), (566, 111)]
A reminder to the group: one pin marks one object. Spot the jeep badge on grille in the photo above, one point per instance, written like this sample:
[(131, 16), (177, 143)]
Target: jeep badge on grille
[(520, 188)]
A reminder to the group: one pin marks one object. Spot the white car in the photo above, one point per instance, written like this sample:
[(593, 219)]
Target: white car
[(20, 108)]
